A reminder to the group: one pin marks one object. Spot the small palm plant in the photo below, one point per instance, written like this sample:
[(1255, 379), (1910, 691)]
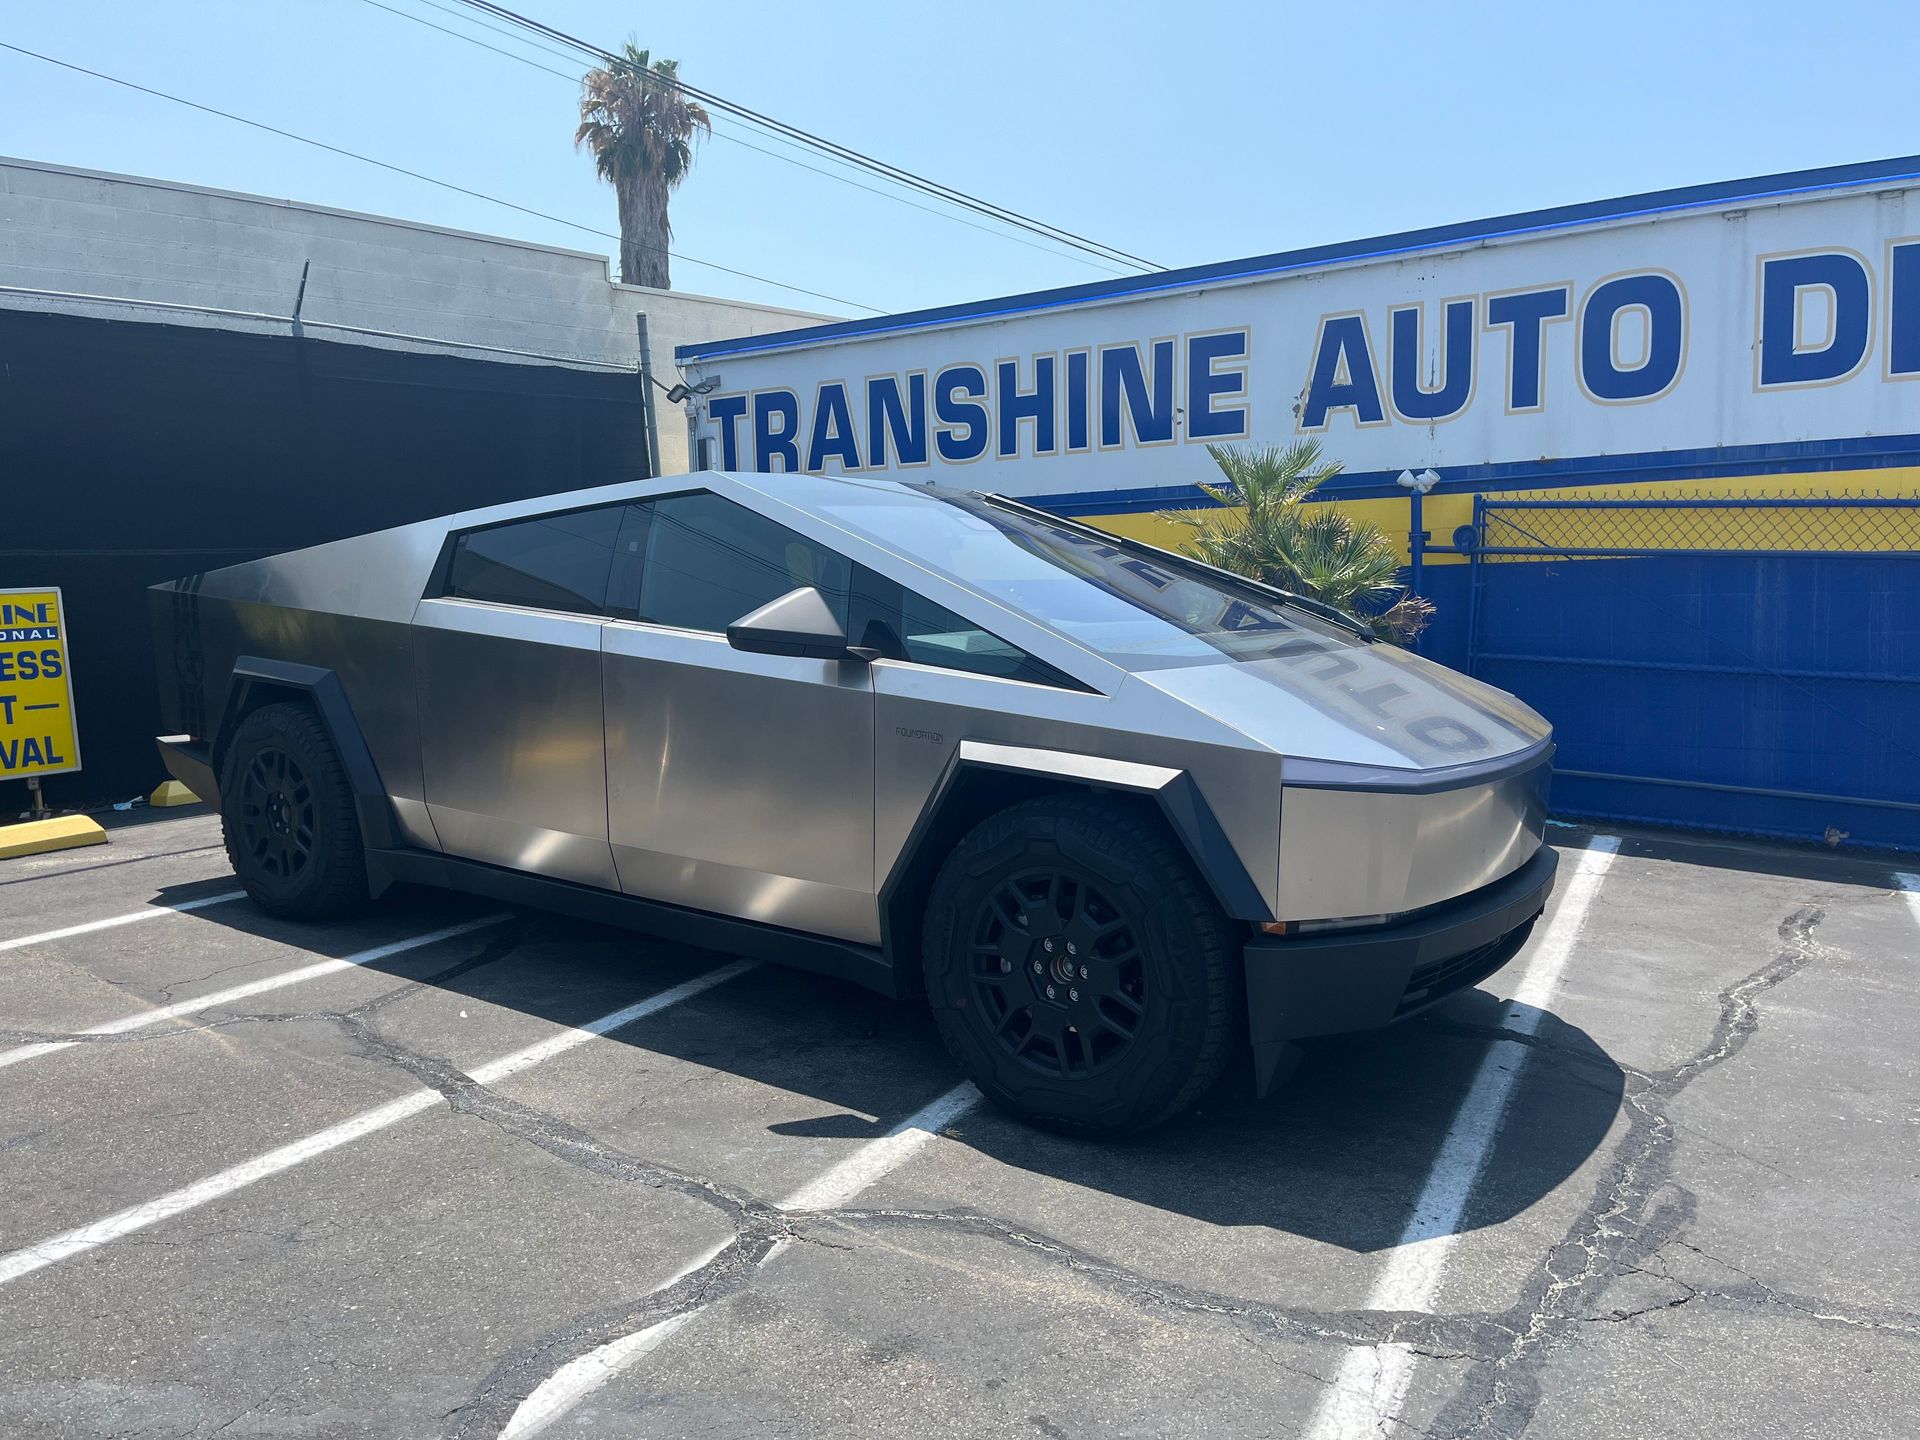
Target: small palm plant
[(1264, 528)]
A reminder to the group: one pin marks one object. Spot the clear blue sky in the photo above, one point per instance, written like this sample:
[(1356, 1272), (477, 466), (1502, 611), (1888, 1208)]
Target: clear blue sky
[(1183, 132)]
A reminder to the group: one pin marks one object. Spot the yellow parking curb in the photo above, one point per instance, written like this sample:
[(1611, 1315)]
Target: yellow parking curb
[(172, 792), (37, 837)]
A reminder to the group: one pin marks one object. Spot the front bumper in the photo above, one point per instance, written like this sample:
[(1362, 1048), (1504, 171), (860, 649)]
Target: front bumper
[(1304, 985)]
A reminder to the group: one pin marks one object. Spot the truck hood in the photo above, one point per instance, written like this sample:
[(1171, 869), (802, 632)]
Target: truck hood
[(1373, 705)]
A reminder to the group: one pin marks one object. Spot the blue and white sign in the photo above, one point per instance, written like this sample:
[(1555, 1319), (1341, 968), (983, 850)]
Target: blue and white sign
[(1780, 314)]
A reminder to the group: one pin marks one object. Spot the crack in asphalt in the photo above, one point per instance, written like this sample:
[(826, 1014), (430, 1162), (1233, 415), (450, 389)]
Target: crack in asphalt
[(507, 937), (1755, 1292), (1639, 1209), (1632, 1224), (1445, 1337), (1637, 1212), (110, 864)]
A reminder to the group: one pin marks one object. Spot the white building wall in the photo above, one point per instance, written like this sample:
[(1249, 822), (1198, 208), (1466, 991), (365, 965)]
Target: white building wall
[(123, 237)]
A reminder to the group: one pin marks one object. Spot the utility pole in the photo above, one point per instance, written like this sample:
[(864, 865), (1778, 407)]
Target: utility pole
[(647, 383)]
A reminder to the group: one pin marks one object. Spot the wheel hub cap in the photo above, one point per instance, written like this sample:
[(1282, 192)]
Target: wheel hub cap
[(276, 825), (1057, 973)]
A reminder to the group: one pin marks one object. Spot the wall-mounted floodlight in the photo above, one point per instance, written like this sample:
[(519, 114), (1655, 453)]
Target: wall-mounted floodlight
[(683, 390)]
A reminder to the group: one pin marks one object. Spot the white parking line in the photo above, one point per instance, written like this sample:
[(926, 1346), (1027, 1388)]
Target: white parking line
[(573, 1382), (1363, 1400), (25, 1261), (152, 912), (1909, 882), (143, 1018)]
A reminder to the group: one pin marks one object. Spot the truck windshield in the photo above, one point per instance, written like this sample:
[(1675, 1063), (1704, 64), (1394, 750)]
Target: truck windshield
[(1142, 606)]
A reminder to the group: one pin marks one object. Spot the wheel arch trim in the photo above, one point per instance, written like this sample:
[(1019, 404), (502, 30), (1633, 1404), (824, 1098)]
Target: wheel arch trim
[(1174, 790), (321, 687)]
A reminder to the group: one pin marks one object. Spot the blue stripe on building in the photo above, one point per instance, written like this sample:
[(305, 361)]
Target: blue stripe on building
[(1867, 452)]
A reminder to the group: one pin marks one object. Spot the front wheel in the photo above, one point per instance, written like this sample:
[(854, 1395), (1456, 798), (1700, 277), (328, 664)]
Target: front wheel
[(1079, 969), (287, 814)]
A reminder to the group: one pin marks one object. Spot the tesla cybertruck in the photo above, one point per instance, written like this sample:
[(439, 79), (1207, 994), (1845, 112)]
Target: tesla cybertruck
[(1112, 812)]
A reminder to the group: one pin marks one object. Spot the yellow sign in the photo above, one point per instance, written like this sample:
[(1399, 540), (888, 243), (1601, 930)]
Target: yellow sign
[(38, 735)]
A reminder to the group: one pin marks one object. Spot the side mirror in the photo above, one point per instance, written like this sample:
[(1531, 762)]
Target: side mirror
[(799, 623)]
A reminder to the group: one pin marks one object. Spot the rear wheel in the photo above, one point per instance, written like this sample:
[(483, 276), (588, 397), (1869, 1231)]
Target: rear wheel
[(288, 817), (1079, 968)]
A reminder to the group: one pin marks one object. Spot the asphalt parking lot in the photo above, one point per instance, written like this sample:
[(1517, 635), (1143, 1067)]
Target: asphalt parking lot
[(449, 1170)]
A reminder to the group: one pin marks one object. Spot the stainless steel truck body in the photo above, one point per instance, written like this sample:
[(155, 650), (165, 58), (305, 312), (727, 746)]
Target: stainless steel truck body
[(1111, 810)]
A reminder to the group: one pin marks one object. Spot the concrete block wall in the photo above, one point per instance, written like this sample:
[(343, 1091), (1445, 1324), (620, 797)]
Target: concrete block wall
[(124, 237)]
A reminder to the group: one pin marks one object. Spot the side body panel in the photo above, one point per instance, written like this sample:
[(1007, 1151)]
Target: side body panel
[(741, 783), (512, 741), (372, 658)]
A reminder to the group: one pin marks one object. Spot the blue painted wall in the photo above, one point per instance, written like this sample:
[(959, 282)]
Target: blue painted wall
[(1797, 673)]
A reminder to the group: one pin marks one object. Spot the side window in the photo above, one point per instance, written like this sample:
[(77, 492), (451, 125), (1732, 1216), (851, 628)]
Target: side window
[(709, 561), (551, 562), (904, 626)]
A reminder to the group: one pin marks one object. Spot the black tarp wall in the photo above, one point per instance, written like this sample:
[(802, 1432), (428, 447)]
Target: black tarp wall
[(133, 452)]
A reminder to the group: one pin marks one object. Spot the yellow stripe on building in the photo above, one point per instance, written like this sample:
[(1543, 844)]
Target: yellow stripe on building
[(1801, 528)]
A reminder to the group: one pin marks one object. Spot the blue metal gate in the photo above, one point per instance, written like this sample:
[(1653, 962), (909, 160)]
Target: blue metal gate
[(1748, 665)]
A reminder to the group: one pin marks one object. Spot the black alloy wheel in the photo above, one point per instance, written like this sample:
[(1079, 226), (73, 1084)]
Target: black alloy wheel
[(276, 814), (291, 827), (1058, 973), (1079, 969)]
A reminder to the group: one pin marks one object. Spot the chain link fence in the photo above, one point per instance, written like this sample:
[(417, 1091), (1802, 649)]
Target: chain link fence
[(1534, 527)]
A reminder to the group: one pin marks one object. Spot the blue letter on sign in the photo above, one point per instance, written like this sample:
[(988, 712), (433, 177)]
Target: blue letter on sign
[(726, 411), (1666, 316), (1079, 363), (954, 414), (1527, 314), (1036, 405), (1405, 352), (1124, 385), (833, 435), (769, 442), (1788, 356), (889, 422), (1903, 310), (1204, 386), (1343, 377)]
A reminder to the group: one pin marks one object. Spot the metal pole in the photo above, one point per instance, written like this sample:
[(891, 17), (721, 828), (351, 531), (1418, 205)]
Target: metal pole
[(1416, 545), (646, 387), (300, 300), (36, 802), (1474, 561)]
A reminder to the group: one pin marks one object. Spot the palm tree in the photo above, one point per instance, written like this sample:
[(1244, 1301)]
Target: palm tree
[(641, 128), (1265, 528)]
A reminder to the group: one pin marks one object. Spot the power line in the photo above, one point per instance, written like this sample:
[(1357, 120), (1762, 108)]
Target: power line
[(509, 31), (832, 148), (721, 134), (427, 179), (838, 151)]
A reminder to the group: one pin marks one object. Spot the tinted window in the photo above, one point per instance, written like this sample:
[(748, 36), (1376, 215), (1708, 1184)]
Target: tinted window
[(552, 562), (709, 561), (904, 626)]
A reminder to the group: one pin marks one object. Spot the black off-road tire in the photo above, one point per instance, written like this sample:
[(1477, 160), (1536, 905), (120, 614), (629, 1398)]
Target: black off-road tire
[(288, 818), (1151, 1023)]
